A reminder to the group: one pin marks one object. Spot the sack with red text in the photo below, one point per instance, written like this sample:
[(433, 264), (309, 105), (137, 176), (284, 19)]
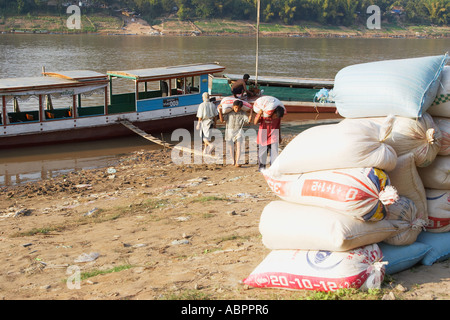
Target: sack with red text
[(438, 210), (268, 105), (338, 146), (363, 193), (284, 225), (403, 215), (360, 268), (420, 136), (227, 104), (437, 174), (444, 125)]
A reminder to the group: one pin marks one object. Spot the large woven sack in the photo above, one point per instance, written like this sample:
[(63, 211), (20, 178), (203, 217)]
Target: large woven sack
[(444, 125), (440, 246), (267, 104), (403, 215), (437, 174), (363, 193), (403, 87), (401, 258), (338, 146), (360, 268), (420, 136), (438, 202), (285, 225), (441, 104), (408, 183), (227, 104)]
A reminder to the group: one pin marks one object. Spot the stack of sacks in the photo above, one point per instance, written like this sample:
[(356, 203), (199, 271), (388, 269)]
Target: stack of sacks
[(410, 89), (417, 143), (436, 181), (324, 230), (436, 177), (386, 134)]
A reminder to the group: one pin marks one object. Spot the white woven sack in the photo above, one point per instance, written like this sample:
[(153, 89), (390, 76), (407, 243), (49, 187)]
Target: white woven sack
[(441, 105), (320, 270), (444, 125), (438, 210), (227, 105), (402, 87), (267, 104), (338, 146), (285, 225), (403, 215), (420, 136), (408, 183), (363, 193), (436, 175)]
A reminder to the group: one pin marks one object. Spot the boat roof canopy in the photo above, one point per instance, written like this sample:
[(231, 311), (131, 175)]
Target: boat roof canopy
[(79, 75), (162, 73), (52, 82), (303, 82)]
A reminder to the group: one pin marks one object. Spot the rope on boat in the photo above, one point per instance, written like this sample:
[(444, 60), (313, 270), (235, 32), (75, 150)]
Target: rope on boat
[(153, 139)]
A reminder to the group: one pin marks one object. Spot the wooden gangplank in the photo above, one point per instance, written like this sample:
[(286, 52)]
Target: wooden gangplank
[(153, 139)]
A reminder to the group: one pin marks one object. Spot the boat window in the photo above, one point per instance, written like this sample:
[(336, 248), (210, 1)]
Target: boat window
[(22, 109), (169, 87), (188, 85), (194, 84)]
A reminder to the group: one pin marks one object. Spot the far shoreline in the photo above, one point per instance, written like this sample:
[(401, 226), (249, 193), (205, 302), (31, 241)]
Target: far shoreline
[(265, 35), (170, 27)]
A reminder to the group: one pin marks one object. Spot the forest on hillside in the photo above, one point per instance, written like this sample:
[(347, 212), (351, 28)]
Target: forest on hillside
[(326, 12)]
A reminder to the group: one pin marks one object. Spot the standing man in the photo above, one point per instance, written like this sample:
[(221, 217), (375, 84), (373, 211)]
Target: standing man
[(269, 136), (234, 133), (207, 117)]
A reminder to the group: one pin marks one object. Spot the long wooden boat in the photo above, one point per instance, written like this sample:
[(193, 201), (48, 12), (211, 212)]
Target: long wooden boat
[(297, 94), (156, 100)]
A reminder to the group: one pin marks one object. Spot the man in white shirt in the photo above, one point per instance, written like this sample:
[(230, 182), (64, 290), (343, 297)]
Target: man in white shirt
[(207, 117)]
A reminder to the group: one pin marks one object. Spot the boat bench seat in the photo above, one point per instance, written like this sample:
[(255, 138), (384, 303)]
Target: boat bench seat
[(24, 116), (58, 114)]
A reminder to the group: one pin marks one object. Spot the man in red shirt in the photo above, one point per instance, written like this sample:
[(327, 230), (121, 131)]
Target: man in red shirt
[(269, 136)]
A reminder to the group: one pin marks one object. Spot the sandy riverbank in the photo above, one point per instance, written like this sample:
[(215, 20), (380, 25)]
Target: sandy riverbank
[(161, 231)]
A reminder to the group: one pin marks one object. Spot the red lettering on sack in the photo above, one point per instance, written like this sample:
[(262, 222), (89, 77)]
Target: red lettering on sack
[(436, 223), (278, 187), (304, 282), (333, 191)]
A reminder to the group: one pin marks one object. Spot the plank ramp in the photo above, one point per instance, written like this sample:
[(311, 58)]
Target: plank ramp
[(153, 139), (144, 134)]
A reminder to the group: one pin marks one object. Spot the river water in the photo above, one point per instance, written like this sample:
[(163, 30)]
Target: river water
[(25, 54)]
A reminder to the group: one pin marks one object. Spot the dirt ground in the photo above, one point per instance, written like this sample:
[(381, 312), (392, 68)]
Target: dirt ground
[(153, 231), (137, 26)]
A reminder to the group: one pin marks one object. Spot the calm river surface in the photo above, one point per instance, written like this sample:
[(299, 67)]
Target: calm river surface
[(25, 55)]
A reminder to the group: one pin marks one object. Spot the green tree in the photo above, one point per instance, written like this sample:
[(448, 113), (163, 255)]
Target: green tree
[(330, 13), (204, 9), (287, 12), (185, 10), (268, 13), (349, 11), (438, 10)]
